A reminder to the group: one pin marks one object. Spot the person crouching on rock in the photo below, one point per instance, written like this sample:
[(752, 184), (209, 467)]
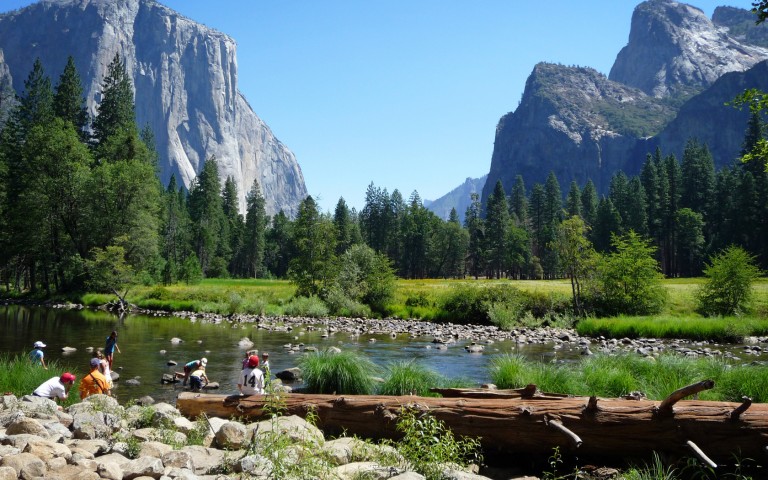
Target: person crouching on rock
[(191, 367), (56, 388), (251, 379), (94, 381), (197, 378)]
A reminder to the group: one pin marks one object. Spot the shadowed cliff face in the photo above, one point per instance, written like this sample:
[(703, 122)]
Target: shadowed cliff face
[(185, 79), (581, 125)]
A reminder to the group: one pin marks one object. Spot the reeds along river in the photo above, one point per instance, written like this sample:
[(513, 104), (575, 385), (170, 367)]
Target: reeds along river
[(142, 340)]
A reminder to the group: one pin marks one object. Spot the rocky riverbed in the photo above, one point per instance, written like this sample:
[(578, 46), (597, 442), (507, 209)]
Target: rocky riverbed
[(100, 439)]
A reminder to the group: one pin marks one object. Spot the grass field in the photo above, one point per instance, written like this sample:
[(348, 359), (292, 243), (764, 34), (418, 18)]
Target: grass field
[(423, 299)]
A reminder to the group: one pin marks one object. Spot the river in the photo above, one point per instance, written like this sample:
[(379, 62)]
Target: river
[(146, 348)]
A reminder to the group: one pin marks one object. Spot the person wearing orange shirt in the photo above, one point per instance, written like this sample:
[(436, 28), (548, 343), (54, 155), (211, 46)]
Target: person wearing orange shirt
[(94, 382)]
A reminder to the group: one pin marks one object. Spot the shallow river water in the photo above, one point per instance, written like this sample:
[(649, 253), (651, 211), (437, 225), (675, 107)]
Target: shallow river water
[(146, 347)]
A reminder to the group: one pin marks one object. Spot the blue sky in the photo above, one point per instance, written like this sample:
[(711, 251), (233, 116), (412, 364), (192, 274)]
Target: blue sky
[(402, 93)]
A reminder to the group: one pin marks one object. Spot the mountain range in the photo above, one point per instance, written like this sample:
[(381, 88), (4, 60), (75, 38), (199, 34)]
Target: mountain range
[(670, 83)]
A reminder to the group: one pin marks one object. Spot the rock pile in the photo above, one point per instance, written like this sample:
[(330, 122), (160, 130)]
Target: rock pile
[(100, 439)]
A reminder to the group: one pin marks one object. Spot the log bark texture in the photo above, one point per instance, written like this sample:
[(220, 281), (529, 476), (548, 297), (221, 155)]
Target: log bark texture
[(528, 425)]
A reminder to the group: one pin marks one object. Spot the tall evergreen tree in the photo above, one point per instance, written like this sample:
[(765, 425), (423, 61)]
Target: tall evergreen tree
[(607, 223), (553, 206), (416, 239), (690, 242), (255, 232), (206, 213), (573, 202), (312, 268), (496, 228), (518, 201), (474, 224), (637, 214), (175, 231), (116, 110), (232, 244), (589, 203), (279, 245), (68, 101)]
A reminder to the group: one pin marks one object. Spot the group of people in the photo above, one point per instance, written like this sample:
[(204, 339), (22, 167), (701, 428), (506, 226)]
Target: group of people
[(250, 382), (97, 381)]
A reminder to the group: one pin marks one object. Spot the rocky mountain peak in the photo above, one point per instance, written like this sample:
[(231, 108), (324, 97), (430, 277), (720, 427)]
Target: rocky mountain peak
[(185, 81), (674, 49)]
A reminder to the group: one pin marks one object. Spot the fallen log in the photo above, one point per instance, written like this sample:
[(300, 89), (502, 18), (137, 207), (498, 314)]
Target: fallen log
[(535, 424)]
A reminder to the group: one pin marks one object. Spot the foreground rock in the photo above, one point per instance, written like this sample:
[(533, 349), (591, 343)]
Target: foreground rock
[(100, 439)]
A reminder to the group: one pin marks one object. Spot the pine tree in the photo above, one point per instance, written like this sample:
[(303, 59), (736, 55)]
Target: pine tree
[(573, 202), (279, 245), (116, 110), (232, 243), (474, 224), (496, 228), (518, 201), (175, 231), (255, 232), (589, 203), (68, 102), (312, 268), (206, 213), (607, 223)]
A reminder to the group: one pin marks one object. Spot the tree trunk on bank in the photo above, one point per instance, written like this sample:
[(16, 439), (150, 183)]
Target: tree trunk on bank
[(533, 424)]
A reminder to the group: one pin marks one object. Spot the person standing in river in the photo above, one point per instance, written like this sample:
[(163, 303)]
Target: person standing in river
[(37, 356), (110, 347)]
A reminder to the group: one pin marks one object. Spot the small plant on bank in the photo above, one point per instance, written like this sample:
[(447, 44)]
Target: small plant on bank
[(728, 289), (338, 372), (428, 447), (409, 378), (306, 307)]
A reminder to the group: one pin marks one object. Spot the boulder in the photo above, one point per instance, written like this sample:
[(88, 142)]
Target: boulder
[(289, 374), (7, 473), (110, 471), (257, 466), (204, 459), (295, 427), (44, 450), (25, 465), (233, 436), (154, 449), (143, 467), (24, 425), (178, 459)]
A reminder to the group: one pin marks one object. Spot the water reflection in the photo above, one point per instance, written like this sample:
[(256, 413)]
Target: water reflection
[(146, 347), (143, 339)]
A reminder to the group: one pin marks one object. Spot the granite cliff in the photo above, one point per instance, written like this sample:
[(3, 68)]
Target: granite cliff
[(185, 81), (667, 85)]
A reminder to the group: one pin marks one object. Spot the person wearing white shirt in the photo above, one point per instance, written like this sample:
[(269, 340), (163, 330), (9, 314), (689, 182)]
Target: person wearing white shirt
[(57, 388), (251, 380)]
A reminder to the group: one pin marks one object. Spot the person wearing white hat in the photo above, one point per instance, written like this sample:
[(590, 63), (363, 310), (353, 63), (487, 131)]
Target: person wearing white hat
[(192, 366), (37, 355)]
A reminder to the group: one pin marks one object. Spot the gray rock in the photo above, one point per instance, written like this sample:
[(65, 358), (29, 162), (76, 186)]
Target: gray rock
[(94, 447), (28, 426), (45, 450), (154, 449), (25, 465), (295, 427), (232, 436), (90, 426), (7, 473), (205, 459), (143, 467), (110, 471), (132, 382), (289, 374), (255, 465), (178, 459)]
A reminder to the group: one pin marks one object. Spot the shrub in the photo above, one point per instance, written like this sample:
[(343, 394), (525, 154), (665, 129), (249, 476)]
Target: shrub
[(366, 277), (340, 304), (472, 304), (409, 378), (191, 273), (341, 373), (306, 307), (428, 447), (628, 279), (728, 289)]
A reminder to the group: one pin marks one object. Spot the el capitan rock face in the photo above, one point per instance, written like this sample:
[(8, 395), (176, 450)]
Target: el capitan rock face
[(185, 79), (664, 88)]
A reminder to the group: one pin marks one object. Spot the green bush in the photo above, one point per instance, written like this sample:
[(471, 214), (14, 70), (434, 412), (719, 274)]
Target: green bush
[(409, 378), (366, 277), (340, 304), (428, 447), (472, 304), (628, 280), (340, 373), (306, 307), (728, 289)]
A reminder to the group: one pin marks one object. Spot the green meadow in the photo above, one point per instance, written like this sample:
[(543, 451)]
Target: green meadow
[(544, 302)]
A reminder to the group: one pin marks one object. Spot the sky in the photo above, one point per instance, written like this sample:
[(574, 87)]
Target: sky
[(404, 94)]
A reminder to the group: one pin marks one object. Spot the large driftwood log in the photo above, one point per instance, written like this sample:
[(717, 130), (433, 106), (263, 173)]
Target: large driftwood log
[(535, 424)]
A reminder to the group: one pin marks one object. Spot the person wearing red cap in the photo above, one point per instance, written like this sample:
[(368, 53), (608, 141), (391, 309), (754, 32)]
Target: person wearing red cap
[(56, 388), (251, 379)]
